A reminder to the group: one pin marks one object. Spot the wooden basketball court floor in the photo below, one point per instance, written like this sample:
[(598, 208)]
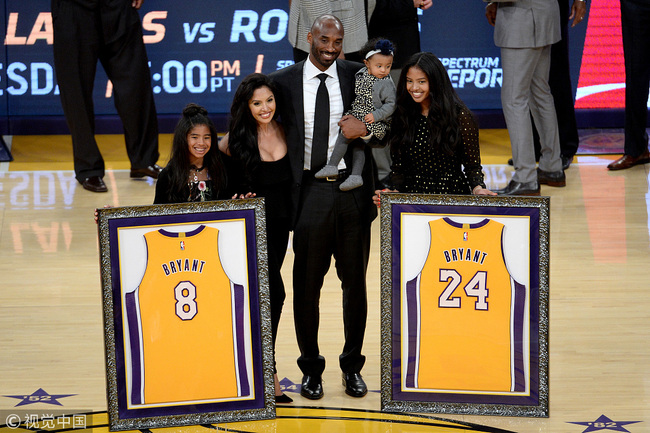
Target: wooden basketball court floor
[(51, 332)]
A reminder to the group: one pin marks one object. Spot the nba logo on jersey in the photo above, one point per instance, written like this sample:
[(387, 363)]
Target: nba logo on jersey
[(465, 236), (182, 245)]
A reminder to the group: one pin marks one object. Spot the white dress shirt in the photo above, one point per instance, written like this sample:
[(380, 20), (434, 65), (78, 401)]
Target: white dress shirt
[(310, 83)]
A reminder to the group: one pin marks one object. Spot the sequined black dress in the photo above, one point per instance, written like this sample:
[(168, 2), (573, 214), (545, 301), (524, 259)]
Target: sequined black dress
[(417, 168)]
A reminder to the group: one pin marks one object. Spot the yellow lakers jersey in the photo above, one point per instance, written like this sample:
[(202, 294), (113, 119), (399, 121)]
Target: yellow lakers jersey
[(184, 303), (462, 337)]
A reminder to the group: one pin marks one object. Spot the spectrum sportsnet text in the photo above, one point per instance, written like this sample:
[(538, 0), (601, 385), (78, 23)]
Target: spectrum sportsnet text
[(480, 72)]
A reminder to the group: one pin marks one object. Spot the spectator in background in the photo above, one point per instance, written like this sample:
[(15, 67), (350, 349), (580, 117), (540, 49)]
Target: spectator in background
[(353, 14), (397, 21), (109, 31), (635, 23), (561, 88), (525, 31)]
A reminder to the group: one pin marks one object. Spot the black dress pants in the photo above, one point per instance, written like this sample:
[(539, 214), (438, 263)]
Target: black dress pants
[(329, 224), (109, 31), (635, 23), (277, 233)]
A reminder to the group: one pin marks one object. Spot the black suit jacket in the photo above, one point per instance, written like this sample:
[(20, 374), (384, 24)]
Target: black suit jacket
[(397, 21), (288, 83)]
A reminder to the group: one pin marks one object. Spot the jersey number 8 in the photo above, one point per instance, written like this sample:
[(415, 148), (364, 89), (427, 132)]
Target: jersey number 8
[(185, 293)]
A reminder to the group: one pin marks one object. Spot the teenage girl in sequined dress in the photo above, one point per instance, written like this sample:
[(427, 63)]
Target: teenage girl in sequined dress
[(434, 136)]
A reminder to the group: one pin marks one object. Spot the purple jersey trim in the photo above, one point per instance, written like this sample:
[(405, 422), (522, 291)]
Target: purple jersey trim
[(471, 226), (240, 338), (412, 317), (136, 356), (194, 232), (134, 338), (519, 312)]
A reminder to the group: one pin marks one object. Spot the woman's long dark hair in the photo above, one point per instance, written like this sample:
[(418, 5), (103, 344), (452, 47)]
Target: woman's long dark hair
[(242, 128), (444, 110), (179, 160)]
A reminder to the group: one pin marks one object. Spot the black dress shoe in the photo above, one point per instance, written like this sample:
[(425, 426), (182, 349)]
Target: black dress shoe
[(566, 161), (627, 161), (312, 387), (551, 178), (94, 184), (151, 171), (283, 398), (354, 385), (519, 188), (511, 162)]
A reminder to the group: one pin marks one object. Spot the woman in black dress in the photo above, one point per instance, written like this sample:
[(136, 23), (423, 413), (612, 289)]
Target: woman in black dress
[(257, 146), (195, 171), (434, 136)]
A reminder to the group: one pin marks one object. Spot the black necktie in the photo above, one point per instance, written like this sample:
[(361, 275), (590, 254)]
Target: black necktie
[(320, 141)]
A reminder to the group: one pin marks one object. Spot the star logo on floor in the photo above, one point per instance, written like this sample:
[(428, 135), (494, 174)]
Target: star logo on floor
[(604, 423), (287, 385), (39, 396)]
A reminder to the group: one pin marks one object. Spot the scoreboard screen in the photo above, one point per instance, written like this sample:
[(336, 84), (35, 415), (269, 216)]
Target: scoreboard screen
[(199, 51)]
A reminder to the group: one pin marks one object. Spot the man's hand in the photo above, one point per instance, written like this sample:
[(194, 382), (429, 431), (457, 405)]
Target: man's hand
[(137, 3), (491, 13), (423, 4), (578, 12), (352, 128)]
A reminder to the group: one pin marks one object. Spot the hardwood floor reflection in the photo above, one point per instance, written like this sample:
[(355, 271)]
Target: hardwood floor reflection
[(51, 331)]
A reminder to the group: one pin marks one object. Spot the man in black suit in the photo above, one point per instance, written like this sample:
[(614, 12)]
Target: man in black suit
[(326, 221)]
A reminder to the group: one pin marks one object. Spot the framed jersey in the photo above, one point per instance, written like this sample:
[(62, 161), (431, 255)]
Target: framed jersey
[(186, 314), (465, 304)]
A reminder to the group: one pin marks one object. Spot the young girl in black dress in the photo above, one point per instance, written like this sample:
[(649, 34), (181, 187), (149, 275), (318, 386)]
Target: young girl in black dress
[(195, 171)]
